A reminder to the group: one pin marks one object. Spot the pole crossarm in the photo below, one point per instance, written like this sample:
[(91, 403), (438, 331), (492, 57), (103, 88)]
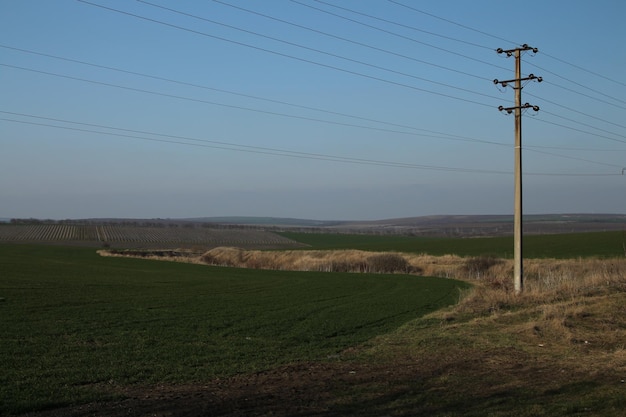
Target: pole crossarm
[(509, 110), (530, 77), (511, 52)]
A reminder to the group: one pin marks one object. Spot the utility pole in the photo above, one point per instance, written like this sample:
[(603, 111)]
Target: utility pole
[(518, 277)]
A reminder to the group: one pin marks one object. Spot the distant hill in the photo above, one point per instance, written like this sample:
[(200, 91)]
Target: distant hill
[(439, 225), (264, 221)]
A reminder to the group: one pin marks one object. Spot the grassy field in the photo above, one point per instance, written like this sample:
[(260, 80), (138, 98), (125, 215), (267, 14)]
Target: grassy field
[(76, 327), (571, 245), (104, 336)]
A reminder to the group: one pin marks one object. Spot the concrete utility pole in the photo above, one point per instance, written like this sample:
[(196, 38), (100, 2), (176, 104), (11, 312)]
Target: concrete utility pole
[(518, 278)]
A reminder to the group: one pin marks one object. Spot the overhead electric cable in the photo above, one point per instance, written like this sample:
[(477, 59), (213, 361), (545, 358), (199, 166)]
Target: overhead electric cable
[(456, 53), (300, 106), (360, 62), (573, 158), (585, 70), (575, 129), (577, 83), (254, 149), (571, 90), (351, 41), (543, 53), (214, 103), (394, 33), (319, 51), (571, 148), (583, 124), (549, 174), (188, 141), (403, 25), (452, 22), (286, 55), (576, 111), (431, 133)]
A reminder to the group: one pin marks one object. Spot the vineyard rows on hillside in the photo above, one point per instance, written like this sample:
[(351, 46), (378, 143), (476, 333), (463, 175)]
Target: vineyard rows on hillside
[(127, 236)]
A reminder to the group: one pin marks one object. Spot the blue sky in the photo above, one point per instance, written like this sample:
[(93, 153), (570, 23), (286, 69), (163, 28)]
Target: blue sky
[(313, 109)]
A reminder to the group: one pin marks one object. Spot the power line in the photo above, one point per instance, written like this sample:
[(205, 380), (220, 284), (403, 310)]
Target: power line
[(319, 51), (281, 54), (452, 22), (570, 148), (577, 111), (240, 148), (287, 55), (506, 40), (214, 103), (586, 70), (300, 106), (190, 141), (584, 124), (430, 133), (446, 50), (579, 84), (404, 26), (390, 32), (575, 129), (350, 41), (585, 95), (355, 61), (534, 65), (240, 107), (572, 158), (451, 138)]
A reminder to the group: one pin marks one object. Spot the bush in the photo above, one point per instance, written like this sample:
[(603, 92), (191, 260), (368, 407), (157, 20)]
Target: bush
[(388, 263), (479, 265)]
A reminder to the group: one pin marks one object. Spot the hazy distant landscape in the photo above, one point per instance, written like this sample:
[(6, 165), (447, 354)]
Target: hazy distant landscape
[(261, 232)]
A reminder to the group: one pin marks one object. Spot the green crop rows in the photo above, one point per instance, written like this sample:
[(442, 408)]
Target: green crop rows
[(75, 324), (572, 245)]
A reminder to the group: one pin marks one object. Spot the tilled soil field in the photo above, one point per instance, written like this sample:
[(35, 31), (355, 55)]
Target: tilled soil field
[(130, 236)]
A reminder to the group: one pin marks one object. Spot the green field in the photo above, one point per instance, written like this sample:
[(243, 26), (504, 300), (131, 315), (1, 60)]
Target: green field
[(571, 245), (75, 324)]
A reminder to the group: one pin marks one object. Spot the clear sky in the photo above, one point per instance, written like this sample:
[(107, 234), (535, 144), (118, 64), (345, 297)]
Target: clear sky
[(334, 109)]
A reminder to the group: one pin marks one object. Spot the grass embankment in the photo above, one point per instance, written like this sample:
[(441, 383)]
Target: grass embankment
[(559, 349), (78, 327)]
